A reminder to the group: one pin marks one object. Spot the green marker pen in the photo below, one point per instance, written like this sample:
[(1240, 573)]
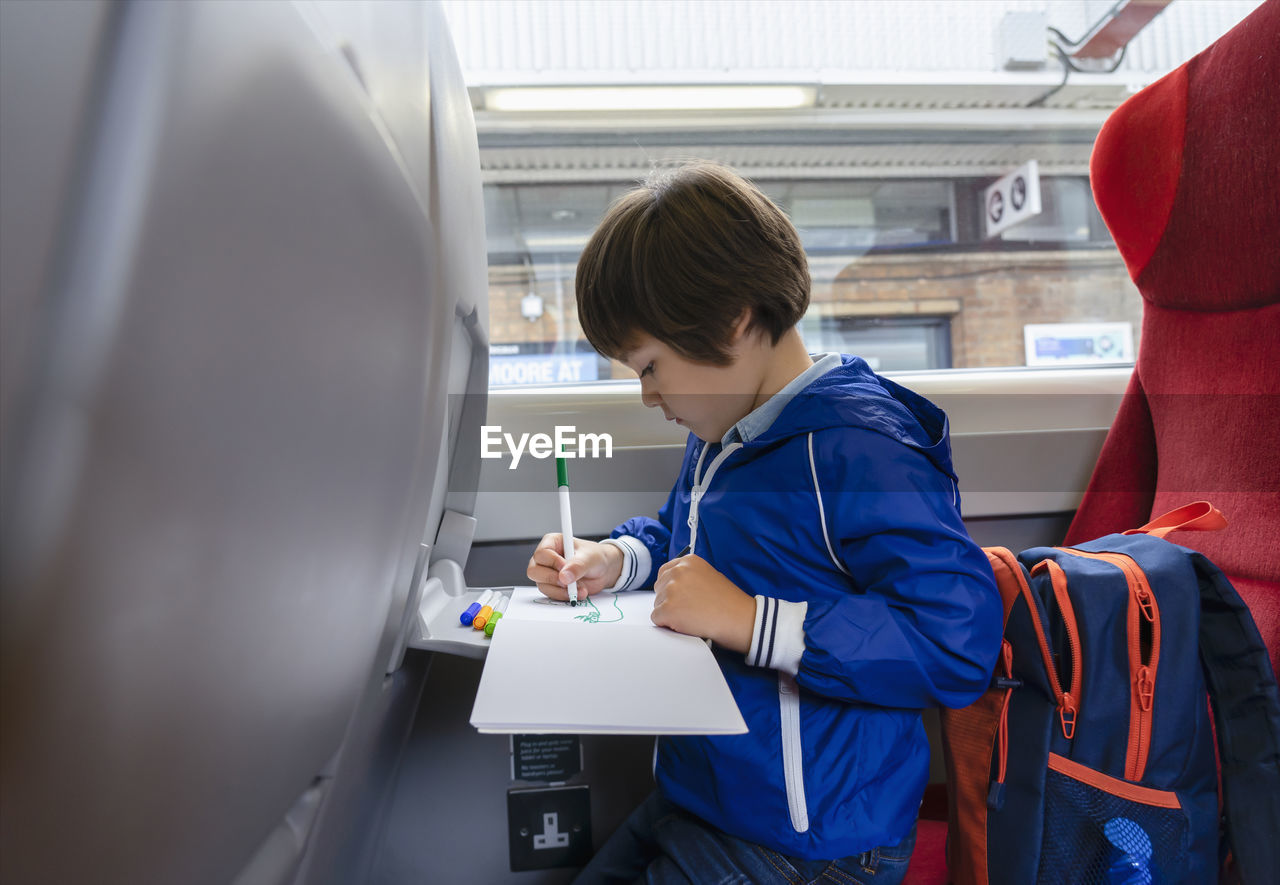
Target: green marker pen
[(497, 616), (566, 522)]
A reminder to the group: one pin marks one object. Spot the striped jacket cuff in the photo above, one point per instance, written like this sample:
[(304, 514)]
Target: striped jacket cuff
[(636, 562), (777, 641)]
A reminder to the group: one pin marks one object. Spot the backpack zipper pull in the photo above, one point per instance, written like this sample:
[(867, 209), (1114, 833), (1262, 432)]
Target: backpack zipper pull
[(1145, 604), (1146, 688), (1067, 714)]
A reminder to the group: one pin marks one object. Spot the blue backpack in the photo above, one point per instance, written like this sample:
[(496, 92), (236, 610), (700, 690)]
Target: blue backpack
[(1091, 757)]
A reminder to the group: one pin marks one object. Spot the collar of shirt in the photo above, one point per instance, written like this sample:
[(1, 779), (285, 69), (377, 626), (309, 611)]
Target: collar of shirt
[(763, 416)]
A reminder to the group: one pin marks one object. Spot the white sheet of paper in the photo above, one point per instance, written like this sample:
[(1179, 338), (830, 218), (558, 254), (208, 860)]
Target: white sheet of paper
[(562, 676)]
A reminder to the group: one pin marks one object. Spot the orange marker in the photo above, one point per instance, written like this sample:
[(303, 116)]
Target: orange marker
[(483, 617)]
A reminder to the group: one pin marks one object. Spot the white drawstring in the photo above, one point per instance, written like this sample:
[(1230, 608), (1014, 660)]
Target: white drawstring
[(822, 513)]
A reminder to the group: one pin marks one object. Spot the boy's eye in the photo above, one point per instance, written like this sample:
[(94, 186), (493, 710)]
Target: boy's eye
[(647, 370)]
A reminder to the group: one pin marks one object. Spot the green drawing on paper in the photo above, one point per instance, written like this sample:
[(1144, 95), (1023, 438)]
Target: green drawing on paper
[(593, 617)]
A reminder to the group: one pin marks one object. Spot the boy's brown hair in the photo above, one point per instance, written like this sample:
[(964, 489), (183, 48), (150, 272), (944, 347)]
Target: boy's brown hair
[(680, 258)]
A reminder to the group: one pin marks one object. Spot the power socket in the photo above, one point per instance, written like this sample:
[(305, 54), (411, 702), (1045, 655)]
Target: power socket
[(549, 827), (550, 837)]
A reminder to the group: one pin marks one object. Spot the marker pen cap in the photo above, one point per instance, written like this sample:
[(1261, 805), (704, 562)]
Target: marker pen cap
[(482, 618), (493, 622), (474, 608)]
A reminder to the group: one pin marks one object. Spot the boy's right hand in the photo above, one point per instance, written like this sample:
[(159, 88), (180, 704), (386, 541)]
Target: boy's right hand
[(594, 566)]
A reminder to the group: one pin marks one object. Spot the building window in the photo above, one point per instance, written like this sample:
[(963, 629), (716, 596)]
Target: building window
[(888, 344)]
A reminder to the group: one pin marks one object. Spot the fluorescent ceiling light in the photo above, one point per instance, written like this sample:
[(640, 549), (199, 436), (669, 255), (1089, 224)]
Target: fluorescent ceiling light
[(648, 98), (542, 244)]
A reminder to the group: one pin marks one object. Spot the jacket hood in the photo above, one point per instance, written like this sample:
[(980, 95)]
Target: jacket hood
[(852, 395)]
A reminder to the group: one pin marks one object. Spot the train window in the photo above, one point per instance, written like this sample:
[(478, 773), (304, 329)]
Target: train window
[(901, 120), (902, 274)]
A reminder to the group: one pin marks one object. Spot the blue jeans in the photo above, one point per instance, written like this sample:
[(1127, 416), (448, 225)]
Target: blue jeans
[(661, 844)]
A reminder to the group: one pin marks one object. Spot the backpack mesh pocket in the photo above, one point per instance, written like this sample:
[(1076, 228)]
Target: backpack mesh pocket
[(1103, 831)]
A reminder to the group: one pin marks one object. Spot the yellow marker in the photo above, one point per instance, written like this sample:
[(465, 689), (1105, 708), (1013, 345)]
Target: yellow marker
[(482, 618)]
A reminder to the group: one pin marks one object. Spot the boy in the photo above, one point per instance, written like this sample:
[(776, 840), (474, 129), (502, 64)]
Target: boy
[(813, 534)]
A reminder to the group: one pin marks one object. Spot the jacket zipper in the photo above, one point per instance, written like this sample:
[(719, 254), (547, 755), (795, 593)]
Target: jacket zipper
[(1143, 613), (788, 691), (700, 487), (792, 757)]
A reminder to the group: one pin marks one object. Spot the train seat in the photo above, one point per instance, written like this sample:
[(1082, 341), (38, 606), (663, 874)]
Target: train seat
[(244, 301), (1184, 176)]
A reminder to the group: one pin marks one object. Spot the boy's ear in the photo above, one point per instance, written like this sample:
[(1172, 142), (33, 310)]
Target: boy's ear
[(741, 325)]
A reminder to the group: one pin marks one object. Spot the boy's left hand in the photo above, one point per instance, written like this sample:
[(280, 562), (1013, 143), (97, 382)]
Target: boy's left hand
[(692, 597)]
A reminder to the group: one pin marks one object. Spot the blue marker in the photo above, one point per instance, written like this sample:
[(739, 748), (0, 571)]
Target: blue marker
[(474, 609), (566, 522)]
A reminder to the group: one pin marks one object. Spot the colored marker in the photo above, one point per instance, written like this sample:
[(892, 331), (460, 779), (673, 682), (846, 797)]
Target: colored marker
[(684, 552), (498, 611), (474, 608), (566, 522), (482, 617)]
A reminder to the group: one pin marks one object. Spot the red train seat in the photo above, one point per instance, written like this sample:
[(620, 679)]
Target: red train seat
[(1185, 176)]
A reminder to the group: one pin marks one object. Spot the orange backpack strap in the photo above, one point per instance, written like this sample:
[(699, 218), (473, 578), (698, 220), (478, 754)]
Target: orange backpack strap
[(1200, 516), (969, 742), (1010, 579)]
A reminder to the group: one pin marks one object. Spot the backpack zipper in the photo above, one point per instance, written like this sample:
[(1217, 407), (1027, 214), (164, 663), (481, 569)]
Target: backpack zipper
[(1068, 699), (1142, 612), (1143, 616), (1006, 683), (1066, 703)]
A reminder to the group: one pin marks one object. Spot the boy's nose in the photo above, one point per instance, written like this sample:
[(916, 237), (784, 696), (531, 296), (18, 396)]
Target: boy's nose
[(650, 397)]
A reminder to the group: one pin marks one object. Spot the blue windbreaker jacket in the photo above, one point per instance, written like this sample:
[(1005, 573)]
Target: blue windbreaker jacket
[(847, 503)]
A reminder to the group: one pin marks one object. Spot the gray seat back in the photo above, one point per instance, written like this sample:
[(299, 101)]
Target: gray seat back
[(230, 314)]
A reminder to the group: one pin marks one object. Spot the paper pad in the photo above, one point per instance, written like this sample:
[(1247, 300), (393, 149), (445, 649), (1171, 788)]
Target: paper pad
[(575, 677)]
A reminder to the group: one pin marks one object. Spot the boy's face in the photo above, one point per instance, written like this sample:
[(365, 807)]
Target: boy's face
[(705, 399)]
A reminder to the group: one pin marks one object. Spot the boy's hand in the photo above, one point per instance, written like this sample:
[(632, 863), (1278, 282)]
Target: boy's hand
[(692, 597), (594, 566)]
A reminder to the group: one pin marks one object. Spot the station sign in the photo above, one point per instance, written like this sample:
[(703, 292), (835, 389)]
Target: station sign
[(1012, 199), (539, 363), (1073, 344)]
